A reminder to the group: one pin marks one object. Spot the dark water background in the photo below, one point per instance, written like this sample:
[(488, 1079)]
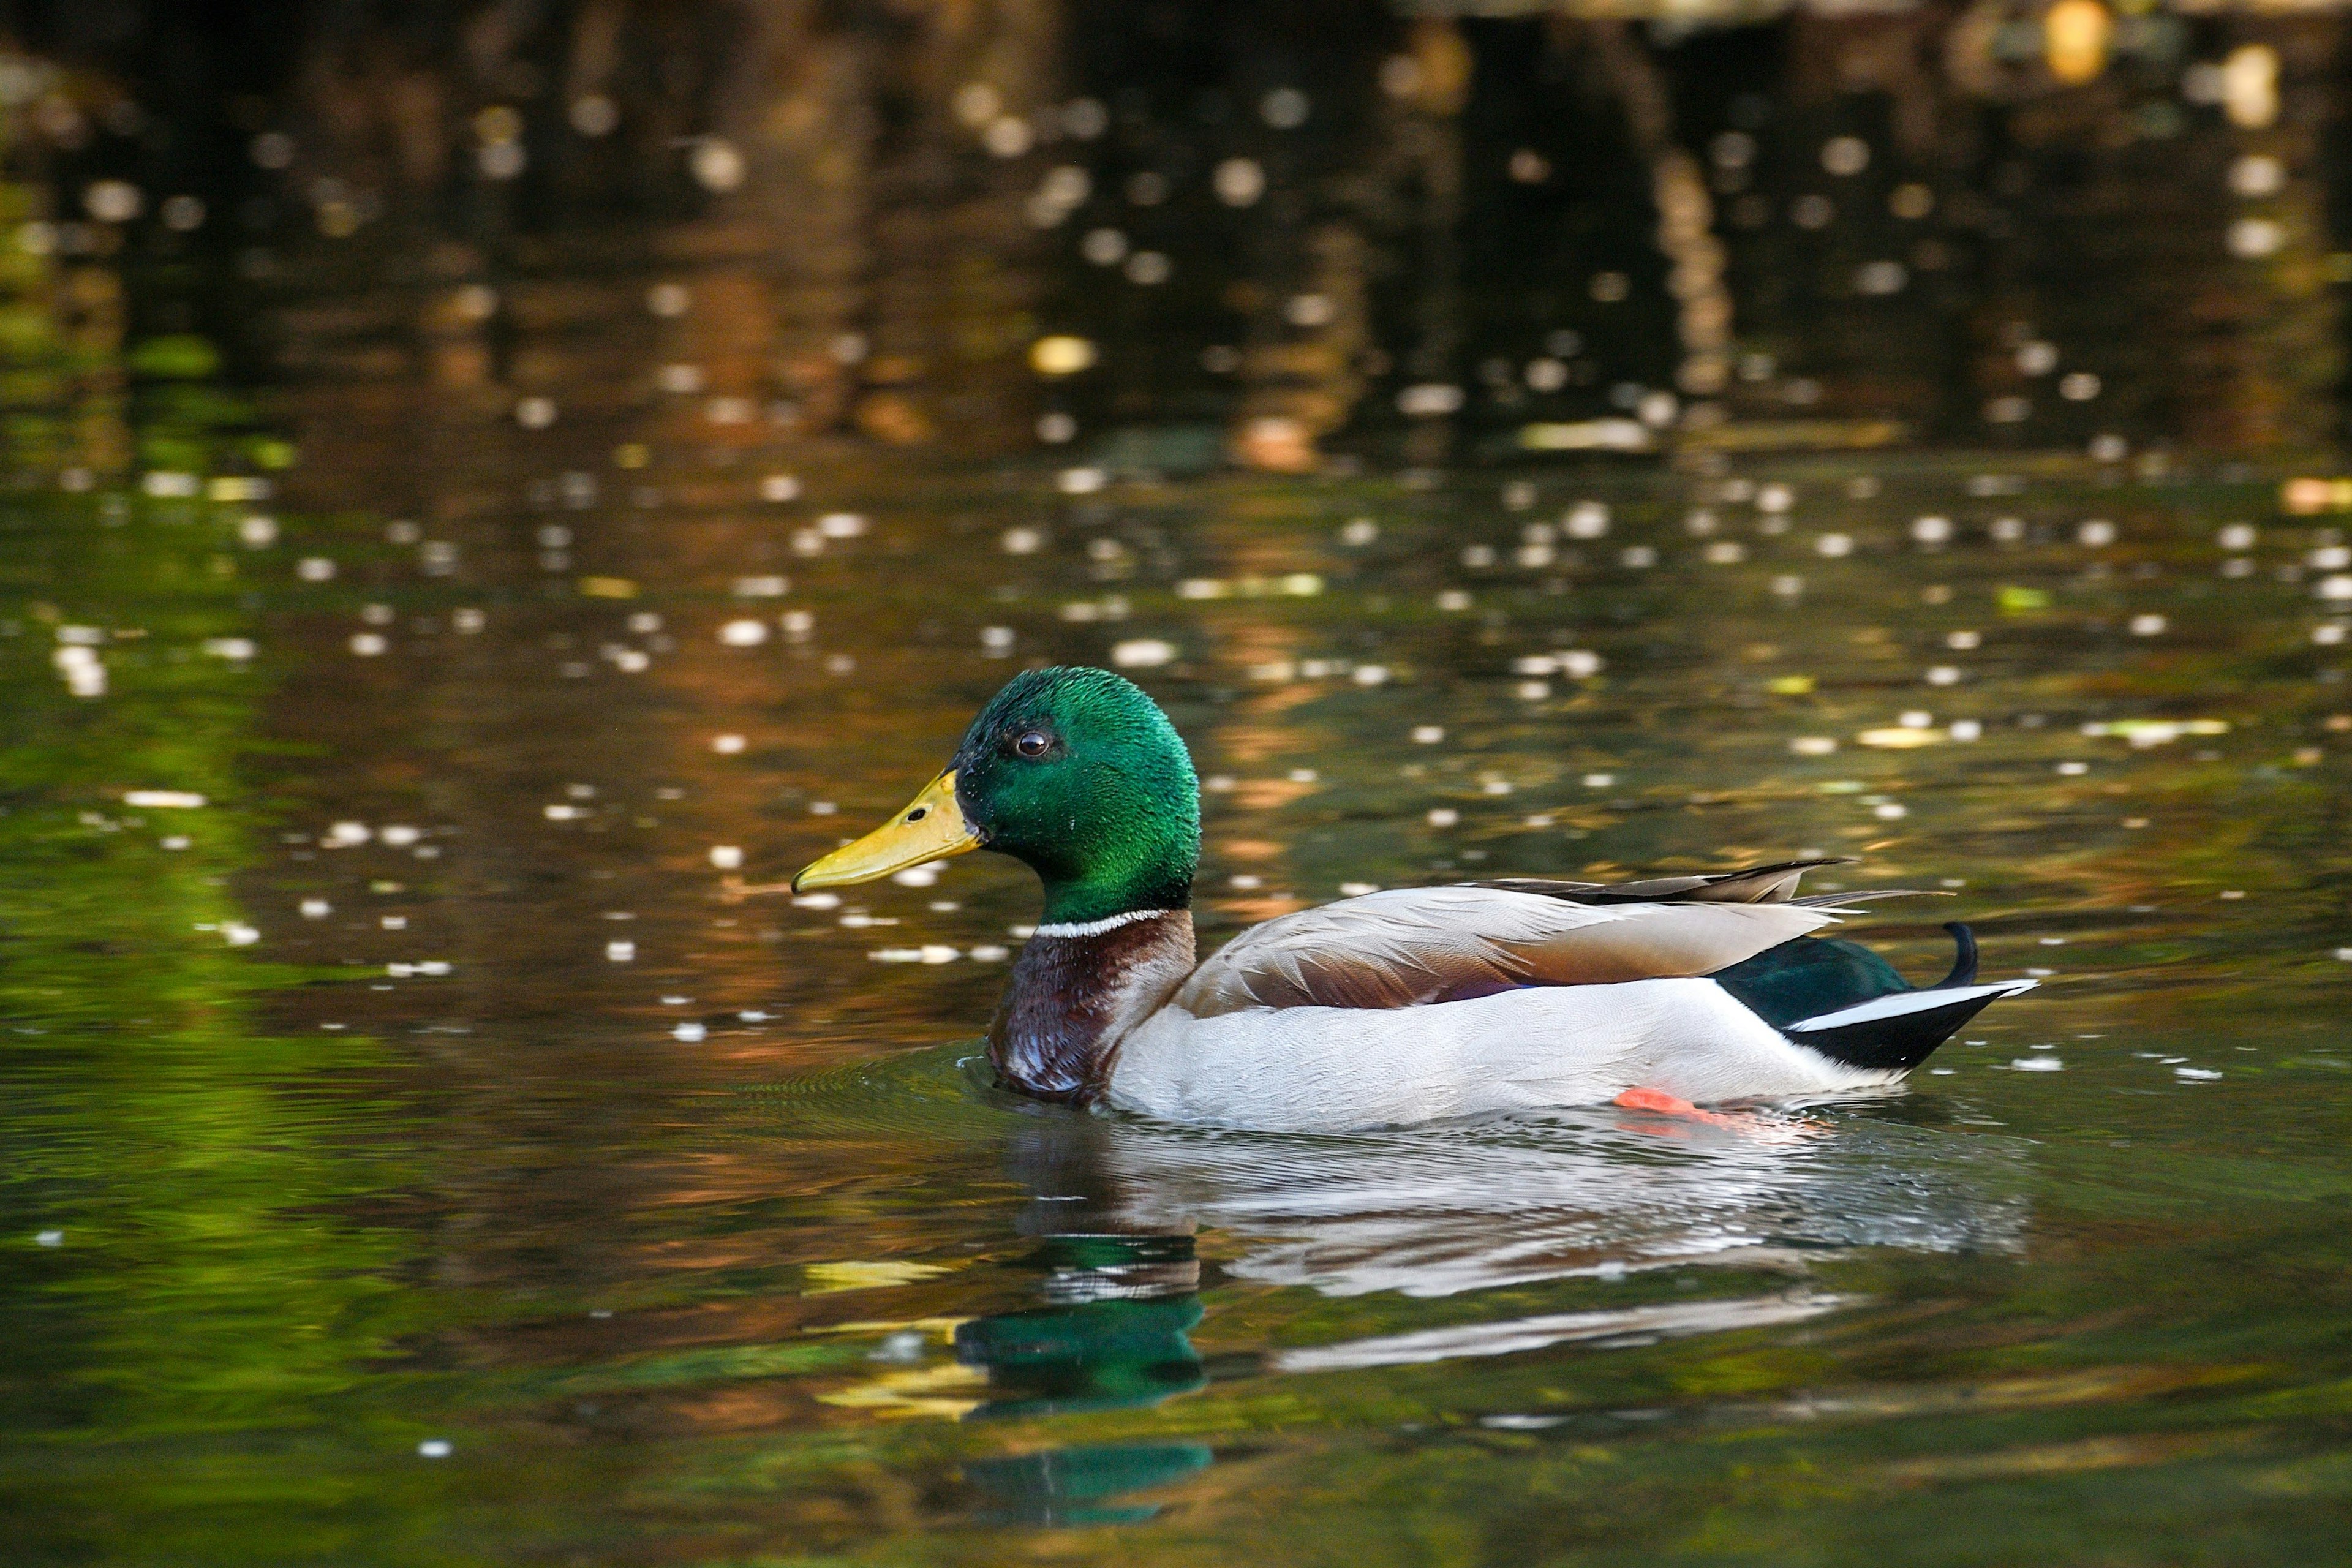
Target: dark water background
[(448, 1142)]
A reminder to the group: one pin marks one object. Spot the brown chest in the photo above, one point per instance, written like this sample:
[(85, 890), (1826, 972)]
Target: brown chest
[(1075, 992)]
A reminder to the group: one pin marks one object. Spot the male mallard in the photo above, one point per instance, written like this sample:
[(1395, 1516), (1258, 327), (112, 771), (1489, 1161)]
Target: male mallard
[(1394, 1007)]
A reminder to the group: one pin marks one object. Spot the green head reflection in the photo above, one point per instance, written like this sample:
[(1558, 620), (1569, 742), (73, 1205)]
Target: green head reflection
[(1114, 1339), (1073, 1486)]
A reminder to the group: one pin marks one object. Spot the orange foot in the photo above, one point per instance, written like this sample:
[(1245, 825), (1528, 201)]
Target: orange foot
[(1664, 1104)]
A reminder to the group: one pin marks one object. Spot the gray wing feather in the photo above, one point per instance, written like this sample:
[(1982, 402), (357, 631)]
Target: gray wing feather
[(1750, 885), (1836, 902), (1413, 945)]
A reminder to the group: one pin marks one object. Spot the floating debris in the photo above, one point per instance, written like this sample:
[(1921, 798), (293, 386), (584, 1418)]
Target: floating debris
[(2143, 732), (1142, 652), (1238, 182), (83, 671), (1572, 436), (1062, 356)]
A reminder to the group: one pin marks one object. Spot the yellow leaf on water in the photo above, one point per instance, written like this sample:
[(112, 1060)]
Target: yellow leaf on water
[(944, 1328), (938, 1390), (827, 1278)]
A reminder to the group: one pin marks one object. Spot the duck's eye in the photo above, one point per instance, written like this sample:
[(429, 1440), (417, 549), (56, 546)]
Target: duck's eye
[(1032, 744)]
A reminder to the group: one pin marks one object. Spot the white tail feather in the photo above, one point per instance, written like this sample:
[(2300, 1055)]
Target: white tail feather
[(1907, 1001)]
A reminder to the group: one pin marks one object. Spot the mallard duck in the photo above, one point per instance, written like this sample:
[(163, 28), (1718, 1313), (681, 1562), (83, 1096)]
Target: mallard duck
[(1395, 1007)]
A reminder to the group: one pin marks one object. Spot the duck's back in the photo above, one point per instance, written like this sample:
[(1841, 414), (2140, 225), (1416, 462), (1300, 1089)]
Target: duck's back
[(1414, 946)]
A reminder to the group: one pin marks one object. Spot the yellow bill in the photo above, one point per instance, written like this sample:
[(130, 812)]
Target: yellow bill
[(930, 828)]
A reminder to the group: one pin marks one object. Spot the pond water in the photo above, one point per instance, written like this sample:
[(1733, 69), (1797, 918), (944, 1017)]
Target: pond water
[(435, 1133), (450, 1141)]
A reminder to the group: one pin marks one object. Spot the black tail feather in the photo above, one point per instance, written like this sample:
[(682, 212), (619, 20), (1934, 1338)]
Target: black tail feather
[(1964, 967), (1822, 978), (1898, 1043)]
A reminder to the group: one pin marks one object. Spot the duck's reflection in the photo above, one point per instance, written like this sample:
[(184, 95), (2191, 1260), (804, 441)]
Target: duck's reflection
[(1074, 1486), (1114, 1206), (1112, 1337), (1438, 1210)]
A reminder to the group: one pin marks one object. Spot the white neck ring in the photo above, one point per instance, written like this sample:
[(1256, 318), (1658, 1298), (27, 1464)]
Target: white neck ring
[(1107, 923)]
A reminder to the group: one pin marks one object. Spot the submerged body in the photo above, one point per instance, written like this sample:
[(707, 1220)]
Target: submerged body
[(1399, 1007)]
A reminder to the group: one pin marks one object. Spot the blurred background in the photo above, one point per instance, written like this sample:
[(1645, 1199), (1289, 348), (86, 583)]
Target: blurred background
[(1291, 229)]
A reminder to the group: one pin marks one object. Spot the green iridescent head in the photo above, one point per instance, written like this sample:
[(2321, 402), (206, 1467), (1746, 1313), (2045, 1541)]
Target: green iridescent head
[(1077, 773), (1073, 771)]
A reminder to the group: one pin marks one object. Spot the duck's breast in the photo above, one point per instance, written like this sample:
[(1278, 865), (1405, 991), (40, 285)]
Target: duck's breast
[(1332, 1069)]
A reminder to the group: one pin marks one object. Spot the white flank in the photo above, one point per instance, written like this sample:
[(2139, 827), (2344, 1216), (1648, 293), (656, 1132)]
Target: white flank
[(1319, 1070)]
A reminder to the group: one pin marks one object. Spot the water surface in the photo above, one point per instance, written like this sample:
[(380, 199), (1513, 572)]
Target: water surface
[(572, 466), (452, 1143)]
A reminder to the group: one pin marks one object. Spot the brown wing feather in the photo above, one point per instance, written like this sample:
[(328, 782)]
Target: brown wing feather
[(1413, 945)]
